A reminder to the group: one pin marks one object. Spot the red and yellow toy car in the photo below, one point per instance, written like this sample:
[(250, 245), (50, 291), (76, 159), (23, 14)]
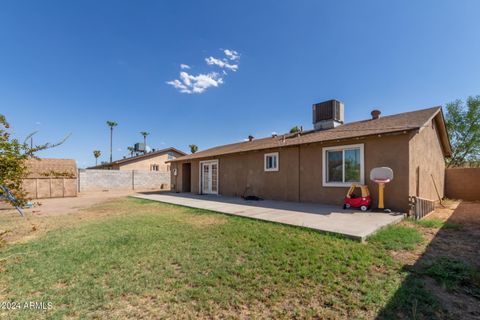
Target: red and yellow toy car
[(353, 201)]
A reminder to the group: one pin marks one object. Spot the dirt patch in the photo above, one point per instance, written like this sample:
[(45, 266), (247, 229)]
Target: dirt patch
[(52, 214), (293, 306), (457, 241), (458, 238), (407, 258), (202, 221), (459, 304), (460, 243)]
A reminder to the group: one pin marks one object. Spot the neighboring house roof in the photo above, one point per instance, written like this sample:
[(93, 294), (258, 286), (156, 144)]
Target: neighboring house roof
[(407, 121), (50, 168), (138, 158)]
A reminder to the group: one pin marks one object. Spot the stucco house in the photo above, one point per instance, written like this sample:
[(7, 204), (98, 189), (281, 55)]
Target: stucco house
[(319, 165), (152, 161)]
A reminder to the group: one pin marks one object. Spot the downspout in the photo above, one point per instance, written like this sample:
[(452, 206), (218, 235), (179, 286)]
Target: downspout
[(299, 163), (176, 177)]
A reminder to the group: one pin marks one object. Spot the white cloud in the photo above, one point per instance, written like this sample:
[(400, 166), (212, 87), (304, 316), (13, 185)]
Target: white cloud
[(178, 85), (196, 83), (189, 83), (221, 63), (232, 54)]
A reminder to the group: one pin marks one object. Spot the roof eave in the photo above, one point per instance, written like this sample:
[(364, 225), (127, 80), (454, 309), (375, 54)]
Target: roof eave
[(444, 134), (139, 157), (405, 130), (439, 118)]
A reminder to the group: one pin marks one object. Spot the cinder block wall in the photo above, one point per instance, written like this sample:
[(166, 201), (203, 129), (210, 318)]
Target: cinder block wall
[(98, 180), (151, 180), (462, 183)]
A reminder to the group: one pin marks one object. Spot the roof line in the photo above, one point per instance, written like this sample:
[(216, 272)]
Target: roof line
[(294, 145), (344, 128), (146, 155), (444, 136)]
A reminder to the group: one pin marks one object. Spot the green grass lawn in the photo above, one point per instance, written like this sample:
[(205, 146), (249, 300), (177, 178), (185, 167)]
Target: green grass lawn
[(436, 224), (156, 260), (397, 238)]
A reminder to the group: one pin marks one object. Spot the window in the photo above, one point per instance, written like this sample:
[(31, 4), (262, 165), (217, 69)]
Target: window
[(170, 156), (343, 165), (154, 167), (271, 161)]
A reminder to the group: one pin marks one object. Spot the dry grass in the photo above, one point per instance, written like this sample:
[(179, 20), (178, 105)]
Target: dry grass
[(132, 258)]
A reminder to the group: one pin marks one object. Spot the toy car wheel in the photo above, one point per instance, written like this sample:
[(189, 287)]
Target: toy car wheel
[(347, 206), (363, 208)]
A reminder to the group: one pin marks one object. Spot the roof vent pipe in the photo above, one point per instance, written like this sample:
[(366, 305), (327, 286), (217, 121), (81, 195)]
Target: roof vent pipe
[(375, 114)]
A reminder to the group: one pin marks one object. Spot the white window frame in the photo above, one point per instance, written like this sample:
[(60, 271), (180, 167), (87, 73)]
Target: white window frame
[(200, 189), (343, 148), (272, 154)]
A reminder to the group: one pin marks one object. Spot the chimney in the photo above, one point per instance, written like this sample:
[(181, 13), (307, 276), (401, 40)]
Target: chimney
[(250, 138), (328, 114), (375, 114)]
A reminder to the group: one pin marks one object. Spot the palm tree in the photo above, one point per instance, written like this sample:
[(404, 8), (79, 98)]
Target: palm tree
[(131, 150), (145, 134), (97, 154), (193, 148), (111, 124)]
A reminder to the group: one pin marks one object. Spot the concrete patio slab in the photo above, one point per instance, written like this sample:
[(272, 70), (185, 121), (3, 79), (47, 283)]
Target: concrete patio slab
[(326, 218)]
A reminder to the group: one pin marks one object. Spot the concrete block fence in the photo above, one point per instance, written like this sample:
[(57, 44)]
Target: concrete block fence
[(100, 180)]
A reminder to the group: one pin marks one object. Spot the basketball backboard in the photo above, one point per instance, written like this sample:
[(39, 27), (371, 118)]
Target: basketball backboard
[(381, 174)]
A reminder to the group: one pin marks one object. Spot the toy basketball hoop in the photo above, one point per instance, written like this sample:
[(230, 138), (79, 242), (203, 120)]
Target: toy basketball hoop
[(381, 176)]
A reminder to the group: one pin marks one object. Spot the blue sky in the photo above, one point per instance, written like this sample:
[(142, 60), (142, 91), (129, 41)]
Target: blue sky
[(69, 66)]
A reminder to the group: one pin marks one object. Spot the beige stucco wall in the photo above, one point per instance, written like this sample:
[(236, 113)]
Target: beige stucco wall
[(300, 172), (386, 151), (145, 163), (38, 188), (50, 178), (463, 183), (239, 172), (427, 164)]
